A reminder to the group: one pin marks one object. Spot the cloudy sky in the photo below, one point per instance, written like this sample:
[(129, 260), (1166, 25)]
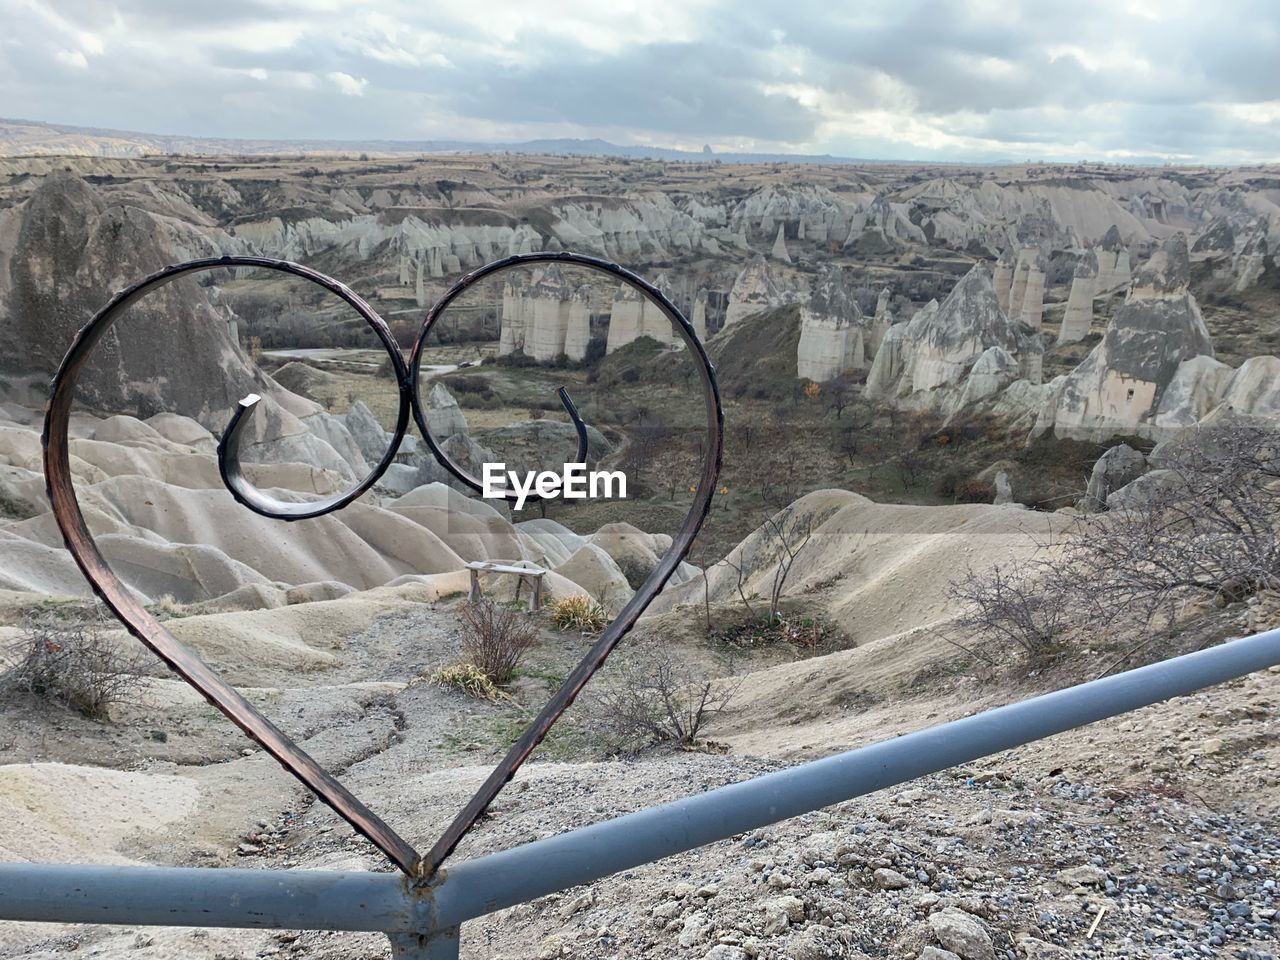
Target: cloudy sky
[(937, 79)]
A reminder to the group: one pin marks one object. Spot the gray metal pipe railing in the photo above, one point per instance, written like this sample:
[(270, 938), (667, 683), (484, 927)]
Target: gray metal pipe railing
[(503, 879), (358, 901), (203, 897)]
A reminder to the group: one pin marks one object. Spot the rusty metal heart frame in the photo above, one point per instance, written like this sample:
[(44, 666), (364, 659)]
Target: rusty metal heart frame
[(188, 665)]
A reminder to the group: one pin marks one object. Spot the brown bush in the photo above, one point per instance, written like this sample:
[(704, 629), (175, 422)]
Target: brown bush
[(1013, 606), (75, 665), (496, 638), (975, 491), (1205, 529), (655, 698)]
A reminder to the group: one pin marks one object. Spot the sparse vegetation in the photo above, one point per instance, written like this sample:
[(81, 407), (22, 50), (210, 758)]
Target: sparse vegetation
[(806, 634), (495, 638), (1204, 530), (781, 540), (73, 663), (15, 508), (469, 679), (1013, 607), (656, 697)]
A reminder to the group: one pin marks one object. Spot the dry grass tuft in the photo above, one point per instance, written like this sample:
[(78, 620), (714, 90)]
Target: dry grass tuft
[(579, 613)]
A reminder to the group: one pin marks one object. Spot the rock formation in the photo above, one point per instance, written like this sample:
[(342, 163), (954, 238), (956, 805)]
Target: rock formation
[(833, 331), (1121, 387), (753, 291), (173, 350), (515, 317), (546, 318), (926, 361), (779, 251), (1166, 276), (628, 228), (1003, 490), (1195, 390), (633, 315), (154, 495), (881, 323), (1003, 281), (1002, 216), (1031, 306), (810, 212), (1078, 317), (577, 334), (1116, 468), (699, 318), (883, 301), (1252, 390), (1217, 239), (444, 415), (882, 228), (1017, 286), (626, 317), (1113, 262), (1249, 264)]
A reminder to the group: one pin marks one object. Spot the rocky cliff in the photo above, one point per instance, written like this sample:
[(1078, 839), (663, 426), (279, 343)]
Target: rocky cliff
[(924, 362)]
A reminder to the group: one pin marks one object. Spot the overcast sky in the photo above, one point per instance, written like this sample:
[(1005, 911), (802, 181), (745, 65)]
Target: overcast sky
[(975, 80)]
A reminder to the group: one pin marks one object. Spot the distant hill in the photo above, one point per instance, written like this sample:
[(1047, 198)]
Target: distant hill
[(35, 137)]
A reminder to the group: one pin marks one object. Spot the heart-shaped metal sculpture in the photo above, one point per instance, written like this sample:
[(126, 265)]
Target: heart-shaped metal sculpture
[(188, 665)]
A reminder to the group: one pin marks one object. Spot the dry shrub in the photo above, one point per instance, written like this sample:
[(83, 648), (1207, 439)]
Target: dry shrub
[(975, 491), (495, 639), (1209, 528), (1203, 528), (656, 698), (579, 613), (75, 665), (1013, 607), (808, 635)]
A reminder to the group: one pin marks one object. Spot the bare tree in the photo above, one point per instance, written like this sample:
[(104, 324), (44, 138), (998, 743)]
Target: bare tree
[(790, 534), (839, 393), (781, 540), (743, 570), (701, 557), (911, 467), (847, 440)]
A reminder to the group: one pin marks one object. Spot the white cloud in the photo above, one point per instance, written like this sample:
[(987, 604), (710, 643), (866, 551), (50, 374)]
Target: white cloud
[(1258, 114), (944, 79), (348, 85), (72, 58)]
